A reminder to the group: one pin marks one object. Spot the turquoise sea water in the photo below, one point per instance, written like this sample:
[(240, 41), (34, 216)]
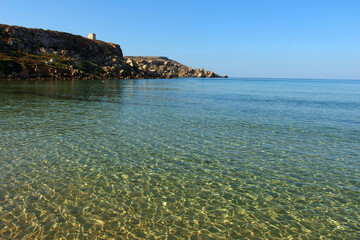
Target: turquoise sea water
[(180, 159)]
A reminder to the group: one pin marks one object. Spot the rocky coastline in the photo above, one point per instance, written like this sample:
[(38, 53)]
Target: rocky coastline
[(27, 53)]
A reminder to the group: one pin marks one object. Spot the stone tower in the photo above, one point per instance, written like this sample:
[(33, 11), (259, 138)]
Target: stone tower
[(92, 36)]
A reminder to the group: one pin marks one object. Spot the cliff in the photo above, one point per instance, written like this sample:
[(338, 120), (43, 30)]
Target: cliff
[(27, 53)]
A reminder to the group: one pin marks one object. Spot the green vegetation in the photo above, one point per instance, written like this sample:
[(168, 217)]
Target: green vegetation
[(12, 61)]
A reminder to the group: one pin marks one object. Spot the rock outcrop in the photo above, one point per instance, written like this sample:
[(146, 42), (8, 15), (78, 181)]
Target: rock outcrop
[(162, 67), (42, 54)]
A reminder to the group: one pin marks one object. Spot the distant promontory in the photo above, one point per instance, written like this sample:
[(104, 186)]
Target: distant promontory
[(27, 53)]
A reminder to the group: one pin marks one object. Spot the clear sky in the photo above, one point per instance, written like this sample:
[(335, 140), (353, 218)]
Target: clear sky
[(244, 38)]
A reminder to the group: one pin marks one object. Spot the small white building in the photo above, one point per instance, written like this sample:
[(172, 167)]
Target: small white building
[(92, 36)]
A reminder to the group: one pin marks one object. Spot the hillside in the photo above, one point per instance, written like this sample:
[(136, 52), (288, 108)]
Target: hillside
[(27, 53)]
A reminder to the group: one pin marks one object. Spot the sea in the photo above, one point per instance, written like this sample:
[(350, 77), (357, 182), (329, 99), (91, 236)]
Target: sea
[(237, 158)]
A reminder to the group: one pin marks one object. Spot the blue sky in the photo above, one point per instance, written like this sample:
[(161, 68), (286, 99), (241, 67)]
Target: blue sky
[(245, 38)]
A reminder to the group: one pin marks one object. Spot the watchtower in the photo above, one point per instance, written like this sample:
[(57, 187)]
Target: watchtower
[(92, 36)]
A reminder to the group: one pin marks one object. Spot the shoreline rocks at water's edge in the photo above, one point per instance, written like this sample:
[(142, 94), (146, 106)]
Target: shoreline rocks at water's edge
[(42, 54)]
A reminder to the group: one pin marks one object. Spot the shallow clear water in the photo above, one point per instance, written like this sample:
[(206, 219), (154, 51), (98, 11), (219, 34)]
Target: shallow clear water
[(178, 159)]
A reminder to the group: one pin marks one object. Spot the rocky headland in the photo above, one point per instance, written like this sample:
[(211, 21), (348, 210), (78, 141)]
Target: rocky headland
[(27, 53)]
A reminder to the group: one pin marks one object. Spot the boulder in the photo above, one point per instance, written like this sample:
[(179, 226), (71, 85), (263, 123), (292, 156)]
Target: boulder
[(210, 74), (153, 74), (145, 67), (131, 62), (200, 75), (43, 50)]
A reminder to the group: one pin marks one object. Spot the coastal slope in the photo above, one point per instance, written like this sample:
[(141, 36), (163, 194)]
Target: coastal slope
[(27, 53)]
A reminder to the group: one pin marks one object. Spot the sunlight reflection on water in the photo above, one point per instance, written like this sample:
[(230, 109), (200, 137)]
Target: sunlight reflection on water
[(198, 159)]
